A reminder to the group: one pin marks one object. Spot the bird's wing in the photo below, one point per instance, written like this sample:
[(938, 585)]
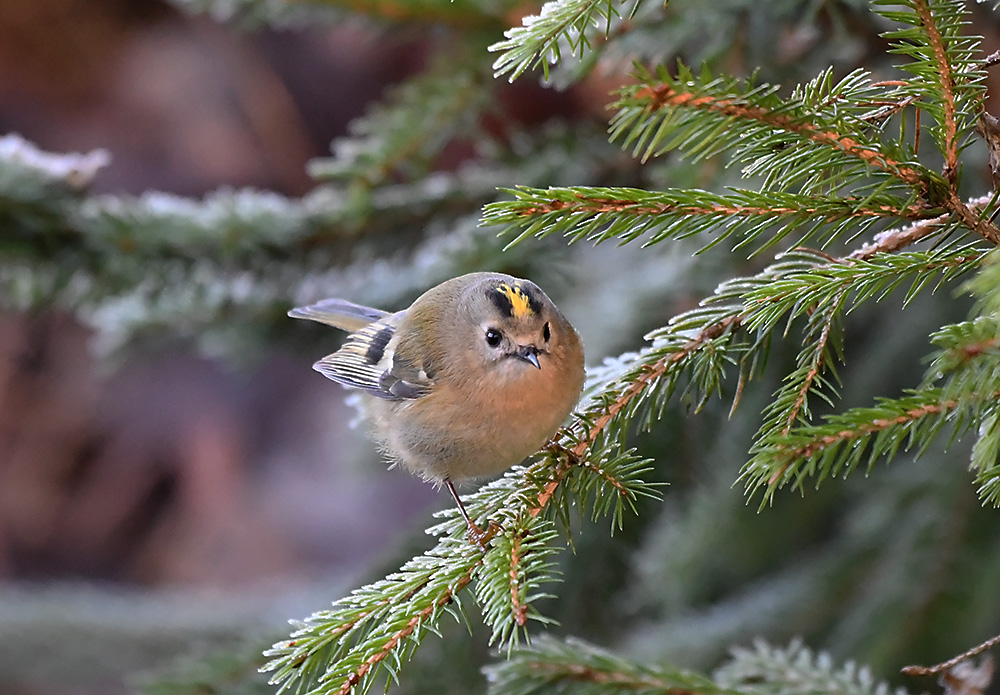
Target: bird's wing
[(340, 314), (367, 362)]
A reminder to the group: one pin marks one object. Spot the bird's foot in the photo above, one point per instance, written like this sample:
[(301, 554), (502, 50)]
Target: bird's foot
[(482, 537)]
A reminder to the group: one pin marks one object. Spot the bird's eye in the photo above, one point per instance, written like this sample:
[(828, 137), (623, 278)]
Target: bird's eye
[(546, 332), (493, 337)]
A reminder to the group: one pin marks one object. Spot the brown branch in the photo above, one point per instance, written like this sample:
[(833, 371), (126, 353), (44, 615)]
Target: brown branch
[(950, 663), (579, 672), (889, 108), (988, 128), (886, 242), (619, 205), (352, 680), (814, 368), (615, 483), (649, 375), (898, 238), (947, 81), (665, 95), (984, 228), (807, 450), (519, 609)]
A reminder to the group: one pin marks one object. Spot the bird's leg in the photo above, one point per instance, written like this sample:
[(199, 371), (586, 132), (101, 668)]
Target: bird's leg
[(477, 535)]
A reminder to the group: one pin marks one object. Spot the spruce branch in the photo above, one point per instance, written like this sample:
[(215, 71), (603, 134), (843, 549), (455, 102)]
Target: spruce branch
[(791, 404), (378, 626), (805, 281), (946, 81), (900, 237), (952, 662), (662, 112), (510, 577), (768, 670), (982, 226), (968, 359), (961, 345), (626, 214), (947, 67), (561, 25), (948, 78), (817, 286), (574, 666), (658, 368), (845, 440), (840, 444)]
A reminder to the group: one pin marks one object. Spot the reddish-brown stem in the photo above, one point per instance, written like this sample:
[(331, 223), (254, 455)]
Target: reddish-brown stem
[(665, 95), (649, 375), (519, 610), (625, 681), (947, 82), (950, 663), (393, 642)]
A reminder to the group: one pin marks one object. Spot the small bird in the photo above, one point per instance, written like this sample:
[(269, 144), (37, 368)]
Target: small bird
[(477, 374)]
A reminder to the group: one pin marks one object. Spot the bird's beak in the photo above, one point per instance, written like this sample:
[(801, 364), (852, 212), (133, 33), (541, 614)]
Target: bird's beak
[(528, 353)]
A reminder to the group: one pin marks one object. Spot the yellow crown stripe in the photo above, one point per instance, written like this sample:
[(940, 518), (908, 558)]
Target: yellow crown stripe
[(520, 303)]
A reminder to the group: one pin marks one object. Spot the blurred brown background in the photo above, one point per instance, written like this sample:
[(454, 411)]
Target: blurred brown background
[(172, 469)]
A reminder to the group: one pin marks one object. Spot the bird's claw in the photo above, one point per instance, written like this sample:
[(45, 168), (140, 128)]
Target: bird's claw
[(482, 537)]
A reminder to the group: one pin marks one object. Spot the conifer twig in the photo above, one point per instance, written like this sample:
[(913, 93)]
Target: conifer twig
[(898, 238), (947, 83), (952, 662), (875, 425), (665, 95), (399, 638), (970, 219), (819, 352), (650, 373), (518, 608), (625, 681)]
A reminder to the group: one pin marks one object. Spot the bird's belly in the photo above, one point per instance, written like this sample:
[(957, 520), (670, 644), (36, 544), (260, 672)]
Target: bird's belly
[(464, 439)]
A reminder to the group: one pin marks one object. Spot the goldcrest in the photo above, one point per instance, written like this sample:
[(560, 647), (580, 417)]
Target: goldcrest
[(477, 374)]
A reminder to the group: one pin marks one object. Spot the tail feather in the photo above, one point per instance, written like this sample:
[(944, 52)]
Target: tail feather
[(339, 313)]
